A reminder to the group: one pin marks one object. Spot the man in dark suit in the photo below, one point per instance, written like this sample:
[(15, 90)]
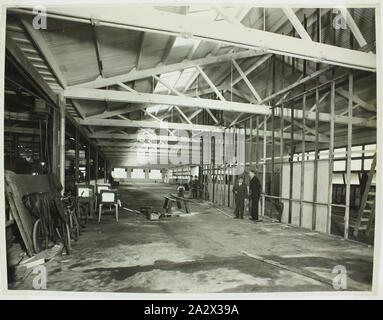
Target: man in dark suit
[(195, 187), (255, 193), (240, 194)]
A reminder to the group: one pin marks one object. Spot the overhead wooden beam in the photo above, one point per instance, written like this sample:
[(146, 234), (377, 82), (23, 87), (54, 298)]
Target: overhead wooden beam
[(172, 125), (97, 47), (225, 16), (140, 50), (21, 130), (254, 66), (168, 49), (353, 27), (290, 14), (29, 68), (131, 97), (357, 100), (344, 93), (45, 51), (134, 136), (23, 62), (127, 88), (165, 84), (152, 20), (191, 80), (246, 80), (117, 112), (160, 69), (297, 83), (211, 84), (79, 108)]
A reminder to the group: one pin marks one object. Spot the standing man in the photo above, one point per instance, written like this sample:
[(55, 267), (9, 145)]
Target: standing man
[(240, 194), (195, 187), (255, 193)]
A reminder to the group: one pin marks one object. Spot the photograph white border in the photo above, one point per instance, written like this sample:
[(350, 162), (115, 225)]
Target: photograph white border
[(377, 287)]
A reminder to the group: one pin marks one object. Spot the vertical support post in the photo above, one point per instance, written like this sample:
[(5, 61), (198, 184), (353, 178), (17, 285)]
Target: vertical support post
[(105, 171), (318, 31), (96, 167), (251, 144), (281, 153), (77, 157), (88, 163), (213, 168), (292, 151), (330, 157), (316, 157), (224, 168), (55, 141), (303, 159), (272, 160), (349, 146), (201, 170), (61, 104), (257, 143), (15, 152), (264, 165)]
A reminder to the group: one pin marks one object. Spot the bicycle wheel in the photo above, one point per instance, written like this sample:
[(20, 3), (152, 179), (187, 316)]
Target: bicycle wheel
[(83, 216), (63, 232), (66, 238), (75, 227), (40, 240)]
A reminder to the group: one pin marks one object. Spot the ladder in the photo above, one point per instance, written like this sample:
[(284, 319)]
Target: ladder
[(366, 215)]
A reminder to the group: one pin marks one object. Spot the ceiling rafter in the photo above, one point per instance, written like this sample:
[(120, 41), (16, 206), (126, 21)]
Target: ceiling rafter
[(174, 24), (290, 14)]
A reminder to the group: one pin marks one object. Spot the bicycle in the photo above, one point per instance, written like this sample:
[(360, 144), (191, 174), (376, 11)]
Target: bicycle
[(51, 221), (74, 221)]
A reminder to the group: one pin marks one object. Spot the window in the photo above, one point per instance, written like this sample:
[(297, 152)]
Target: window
[(340, 153), (323, 154), (371, 147), (367, 164), (340, 165), (155, 174), (337, 178), (138, 174), (119, 173), (356, 165)]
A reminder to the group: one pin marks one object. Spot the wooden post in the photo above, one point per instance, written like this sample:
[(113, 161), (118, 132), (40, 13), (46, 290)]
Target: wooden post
[(272, 161), (316, 157), (292, 150), (77, 157), (224, 168), (331, 157), (272, 136), (281, 152), (213, 167), (264, 165), (257, 143), (88, 163), (61, 104), (303, 159), (55, 142), (105, 171), (15, 153), (251, 143), (96, 167), (349, 146)]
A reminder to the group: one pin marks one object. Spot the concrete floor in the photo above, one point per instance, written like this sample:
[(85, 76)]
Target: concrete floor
[(204, 252)]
